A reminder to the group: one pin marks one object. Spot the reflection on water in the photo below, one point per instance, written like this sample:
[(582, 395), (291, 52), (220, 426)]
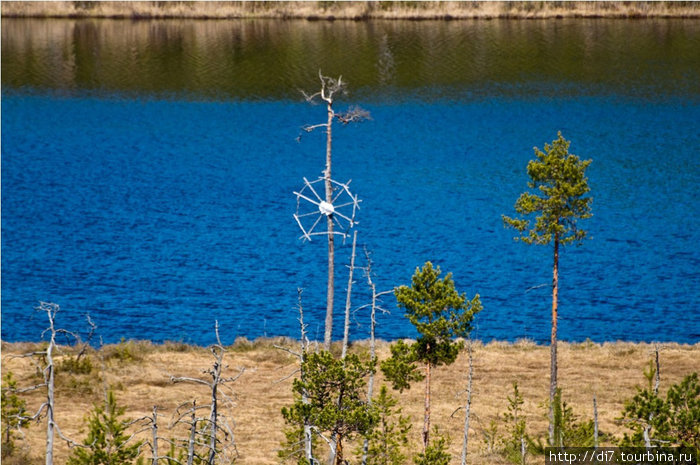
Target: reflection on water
[(244, 59)]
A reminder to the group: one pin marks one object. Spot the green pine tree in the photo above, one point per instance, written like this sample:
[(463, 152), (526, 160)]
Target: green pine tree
[(440, 315), (683, 402), (334, 389), (515, 444), (559, 182), (13, 414), (107, 439), (674, 421), (386, 441), (436, 453)]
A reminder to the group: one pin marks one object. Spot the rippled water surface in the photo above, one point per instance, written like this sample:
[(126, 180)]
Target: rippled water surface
[(148, 170)]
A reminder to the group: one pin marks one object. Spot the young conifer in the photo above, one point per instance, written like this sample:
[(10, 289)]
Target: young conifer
[(440, 315), (107, 439)]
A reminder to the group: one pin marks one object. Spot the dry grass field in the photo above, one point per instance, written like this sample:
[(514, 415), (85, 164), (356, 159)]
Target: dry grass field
[(352, 10), (139, 372)]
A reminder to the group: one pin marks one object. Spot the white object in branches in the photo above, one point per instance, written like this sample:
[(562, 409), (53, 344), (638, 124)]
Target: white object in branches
[(311, 209)]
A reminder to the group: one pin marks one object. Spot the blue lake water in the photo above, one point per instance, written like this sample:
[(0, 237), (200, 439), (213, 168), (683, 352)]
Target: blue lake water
[(159, 215)]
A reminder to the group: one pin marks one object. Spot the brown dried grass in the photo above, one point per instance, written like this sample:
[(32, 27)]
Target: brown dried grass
[(610, 371), (351, 10)]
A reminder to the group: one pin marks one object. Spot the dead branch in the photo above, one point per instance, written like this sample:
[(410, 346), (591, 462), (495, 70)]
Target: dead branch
[(298, 370), (354, 114)]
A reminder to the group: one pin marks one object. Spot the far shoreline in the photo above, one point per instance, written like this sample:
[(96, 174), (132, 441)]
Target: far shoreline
[(352, 10), (242, 343)]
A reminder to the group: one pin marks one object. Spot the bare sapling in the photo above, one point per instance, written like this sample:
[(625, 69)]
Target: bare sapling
[(186, 414), (595, 422), (216, 425), (657, 382), (307, 441), (468, 405), (372, 339), (151, 424), (45, 364)]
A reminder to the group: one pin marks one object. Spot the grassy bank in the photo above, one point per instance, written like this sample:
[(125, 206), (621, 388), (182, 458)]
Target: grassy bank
[(140, 374), (351, 10)]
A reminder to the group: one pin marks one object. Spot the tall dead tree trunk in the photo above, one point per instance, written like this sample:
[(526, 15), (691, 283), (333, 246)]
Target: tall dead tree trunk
[(346, 331), (308, 442), (372, 341), (329, 88), (328, 335), (373, 358), (553, 343), (49, 374)]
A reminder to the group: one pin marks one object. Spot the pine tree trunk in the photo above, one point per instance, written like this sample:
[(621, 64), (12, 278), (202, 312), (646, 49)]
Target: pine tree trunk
[(339, 451), (553, 346), (331, 246)]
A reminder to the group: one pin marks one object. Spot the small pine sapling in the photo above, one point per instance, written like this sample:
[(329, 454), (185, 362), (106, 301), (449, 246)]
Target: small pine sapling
[(107, 441), (436, 453), (14, 414), (385, 442), (515, 448)]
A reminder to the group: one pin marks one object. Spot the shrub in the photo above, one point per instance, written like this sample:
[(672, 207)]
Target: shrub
[(75, 365)]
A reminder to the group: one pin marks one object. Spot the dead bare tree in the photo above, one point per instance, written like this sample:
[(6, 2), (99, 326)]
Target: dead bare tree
[(595, 422), (150, 423), (468, 405), (372, 340), (330, 88), (301, 355), (45, 363), (186, 414), (346, 332), (657, 382), (216, 423)]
